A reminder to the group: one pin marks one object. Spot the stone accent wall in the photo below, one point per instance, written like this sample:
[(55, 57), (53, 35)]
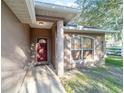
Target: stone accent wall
[(99, 51), (68, 62)]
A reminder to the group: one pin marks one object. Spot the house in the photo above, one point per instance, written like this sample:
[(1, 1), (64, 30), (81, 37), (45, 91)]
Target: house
[(36, 32)]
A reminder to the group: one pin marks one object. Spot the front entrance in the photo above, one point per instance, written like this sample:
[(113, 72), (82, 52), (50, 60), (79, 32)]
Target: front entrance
[(41, 50)]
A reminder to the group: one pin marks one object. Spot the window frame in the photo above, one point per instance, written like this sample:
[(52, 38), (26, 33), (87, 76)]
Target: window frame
[(81, 47), (72, 49)]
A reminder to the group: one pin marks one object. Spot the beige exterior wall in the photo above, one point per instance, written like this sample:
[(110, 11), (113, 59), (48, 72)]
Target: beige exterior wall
[(40, 33), (15, 49), (99, 50)]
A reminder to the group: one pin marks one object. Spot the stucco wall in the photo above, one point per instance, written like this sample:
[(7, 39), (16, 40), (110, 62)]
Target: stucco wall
[(15, 49), (99, 50), (40, 33)]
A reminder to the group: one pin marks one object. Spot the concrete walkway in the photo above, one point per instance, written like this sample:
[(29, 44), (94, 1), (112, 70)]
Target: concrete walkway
[(41, 79)]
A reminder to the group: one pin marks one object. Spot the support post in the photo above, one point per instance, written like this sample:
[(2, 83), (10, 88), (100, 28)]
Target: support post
[(60, 48)]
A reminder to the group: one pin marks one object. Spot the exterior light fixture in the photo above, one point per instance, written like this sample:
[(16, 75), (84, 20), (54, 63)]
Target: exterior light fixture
[(40, 23)]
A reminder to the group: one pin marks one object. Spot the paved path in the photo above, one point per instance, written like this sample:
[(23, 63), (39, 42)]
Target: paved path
[(41, 79)]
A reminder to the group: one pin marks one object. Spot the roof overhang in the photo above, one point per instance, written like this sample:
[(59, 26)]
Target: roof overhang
[(23, 9), (52, 10), (80, 29), (30, 12)]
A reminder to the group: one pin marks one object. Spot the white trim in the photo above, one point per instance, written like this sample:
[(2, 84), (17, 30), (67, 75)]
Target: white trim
[(94, 46), (88, 36), (71, 45), (82, 41), (52, 10), (54, 7), (70, 49), (31, 10), (87, 30), (81, 49)]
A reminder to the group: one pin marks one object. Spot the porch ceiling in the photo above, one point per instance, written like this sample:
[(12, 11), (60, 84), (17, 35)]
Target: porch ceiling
[(46, 25)]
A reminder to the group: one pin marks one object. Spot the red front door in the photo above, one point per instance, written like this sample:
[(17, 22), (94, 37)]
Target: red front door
[(41, 48)]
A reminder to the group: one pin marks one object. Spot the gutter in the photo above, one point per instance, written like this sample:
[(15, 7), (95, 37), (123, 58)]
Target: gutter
[(86, 30), (54, 7)]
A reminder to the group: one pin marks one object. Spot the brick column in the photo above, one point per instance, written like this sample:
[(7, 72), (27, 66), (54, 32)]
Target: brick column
[(60, 48)]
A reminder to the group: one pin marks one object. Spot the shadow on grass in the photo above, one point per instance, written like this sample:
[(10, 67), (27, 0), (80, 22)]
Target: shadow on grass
[(93, 80)]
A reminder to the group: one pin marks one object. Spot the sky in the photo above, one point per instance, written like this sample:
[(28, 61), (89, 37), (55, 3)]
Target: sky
[(69, 3)]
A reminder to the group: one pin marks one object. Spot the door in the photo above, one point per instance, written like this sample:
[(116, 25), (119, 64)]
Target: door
[(41, 49)]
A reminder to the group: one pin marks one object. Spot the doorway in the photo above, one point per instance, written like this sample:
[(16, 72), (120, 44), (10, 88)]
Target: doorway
[(42, 51)]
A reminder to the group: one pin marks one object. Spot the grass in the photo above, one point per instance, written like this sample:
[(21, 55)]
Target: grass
[(114, 60), (106, 79)]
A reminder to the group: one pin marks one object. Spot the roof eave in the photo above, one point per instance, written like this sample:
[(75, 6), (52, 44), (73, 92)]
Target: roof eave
[(23, 9), (54, 7), (53, 10), (87, 30)]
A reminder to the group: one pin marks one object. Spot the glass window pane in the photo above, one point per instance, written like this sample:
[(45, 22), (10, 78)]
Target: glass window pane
[(87, 43), (87, 54), (75, 43), (76, 54)]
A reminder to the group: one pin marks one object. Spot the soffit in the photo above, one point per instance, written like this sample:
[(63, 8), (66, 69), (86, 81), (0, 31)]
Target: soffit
[(21, 9)]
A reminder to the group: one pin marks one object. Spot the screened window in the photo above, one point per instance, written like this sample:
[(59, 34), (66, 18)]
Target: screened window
[(87, 43), (76, 54), (76, 43), (81, 47)]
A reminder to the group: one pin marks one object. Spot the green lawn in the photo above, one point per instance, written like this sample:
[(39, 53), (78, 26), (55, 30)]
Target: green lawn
[(114, 60), (108, 79)]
